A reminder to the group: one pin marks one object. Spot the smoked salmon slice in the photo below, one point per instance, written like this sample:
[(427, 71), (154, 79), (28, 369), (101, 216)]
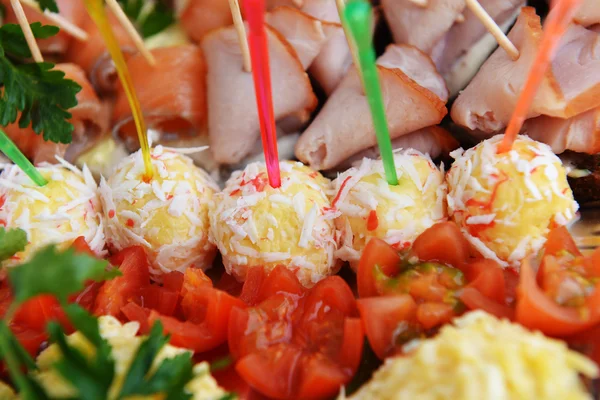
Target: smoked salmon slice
[(74, 11), (90, 119), (93, 56), (172, 94), (200, 16)]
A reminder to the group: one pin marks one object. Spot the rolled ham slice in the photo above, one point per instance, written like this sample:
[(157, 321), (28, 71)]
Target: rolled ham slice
[(90, 119), (172, 94), (94, 58), (413, 92), (233, 124), (571, 86), (73, 11), (433, 140), (580, 133), (306, 34), (201, 16)]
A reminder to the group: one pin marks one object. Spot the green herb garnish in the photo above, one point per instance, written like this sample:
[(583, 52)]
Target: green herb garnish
[(11, 242), (40, 93), (149, 20)]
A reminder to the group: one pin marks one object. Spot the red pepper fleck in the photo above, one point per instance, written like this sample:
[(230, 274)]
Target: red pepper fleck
[(111, 214), (337, 196), (235, 192), (533, 170), (477, 229), (372, 221), (259, 182), (169, 196), (487, 204), (313, 174), (2, 201), (130, 223), (2, 222), (565, 190)]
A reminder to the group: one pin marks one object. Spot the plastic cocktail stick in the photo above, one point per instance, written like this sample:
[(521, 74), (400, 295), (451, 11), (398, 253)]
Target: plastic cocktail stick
[(358, 17), (11, 151), (556, 25), (96, 10), (259, 53)]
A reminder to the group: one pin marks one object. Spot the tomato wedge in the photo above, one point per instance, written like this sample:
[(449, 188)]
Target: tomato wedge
[(560, 241), (487, 277), (296, 343), (384, 318), (377, 254), (443, 243), (116, 293), (535, 310)]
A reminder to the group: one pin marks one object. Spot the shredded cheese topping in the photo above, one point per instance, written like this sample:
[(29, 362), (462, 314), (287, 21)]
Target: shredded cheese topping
[(66, 208), (481, 357), (168, 215), (370, 207), (255, 225), (506, 204)]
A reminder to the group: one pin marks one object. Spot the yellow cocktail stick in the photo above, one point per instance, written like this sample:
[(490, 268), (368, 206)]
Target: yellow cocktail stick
[(96, 10)]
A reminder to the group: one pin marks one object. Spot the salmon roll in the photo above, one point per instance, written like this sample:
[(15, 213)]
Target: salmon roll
[(172, 95)]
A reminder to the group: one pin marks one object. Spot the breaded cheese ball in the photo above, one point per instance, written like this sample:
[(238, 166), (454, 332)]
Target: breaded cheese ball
[(167, 215), (370, 207), (255, 225), (481, 357), (58, 213), (507, 203)]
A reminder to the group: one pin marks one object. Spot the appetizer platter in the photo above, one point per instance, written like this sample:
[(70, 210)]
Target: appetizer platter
[(299, 199)]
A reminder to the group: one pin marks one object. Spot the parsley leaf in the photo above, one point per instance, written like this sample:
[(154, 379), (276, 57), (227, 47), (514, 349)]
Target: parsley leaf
[(39, 92), (149, 20), (169, 378), (13, 41), (11, 242), (48, 5), (57, 273)]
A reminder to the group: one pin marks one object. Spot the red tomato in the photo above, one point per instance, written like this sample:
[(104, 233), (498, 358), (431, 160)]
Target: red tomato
[(560, 241), (134, 312), (535, 310), (116, 293), (173, 281), (35, 313), (81, 246), (475, 300), (443, 243), (302, 344), (377, 254), (430, 315), (30, 339), (158, 298), (382, 317), (488, 278)]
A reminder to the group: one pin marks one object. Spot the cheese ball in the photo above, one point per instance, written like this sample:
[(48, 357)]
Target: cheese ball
[(481, 357), (255, 225), (507, 203), (58, 213), (370, 207), (167, 215)]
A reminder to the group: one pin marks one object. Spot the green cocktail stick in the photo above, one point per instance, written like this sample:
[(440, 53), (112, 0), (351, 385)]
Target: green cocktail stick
[(14, 154), (358, 18)]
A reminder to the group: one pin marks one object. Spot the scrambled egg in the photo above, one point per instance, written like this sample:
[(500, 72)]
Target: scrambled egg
[(58, 213), (124, 345), (6, 392), (507, 203), (481, 357), (256, 225), (370, 207), (167, 215)]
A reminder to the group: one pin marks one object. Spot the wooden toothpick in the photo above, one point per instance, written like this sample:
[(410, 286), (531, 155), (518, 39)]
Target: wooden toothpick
[(240, 28), (493, 28), (60, 21), (133, 33), (31, 43)]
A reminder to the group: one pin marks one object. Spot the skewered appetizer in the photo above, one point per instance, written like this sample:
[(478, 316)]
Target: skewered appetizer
[(507, 203), (482, 357), (370, 207), (167, 215), (255, 225), (58, 213)]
